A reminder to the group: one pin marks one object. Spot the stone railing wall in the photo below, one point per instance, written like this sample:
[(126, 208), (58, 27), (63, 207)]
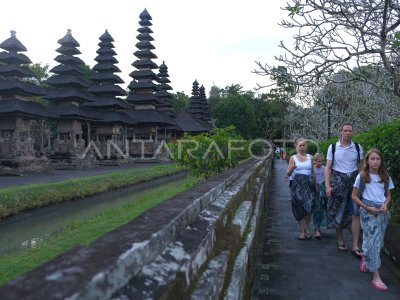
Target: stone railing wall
[(200, 244)]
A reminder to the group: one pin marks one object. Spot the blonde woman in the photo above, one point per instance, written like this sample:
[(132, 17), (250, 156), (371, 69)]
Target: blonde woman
[(302, 191)]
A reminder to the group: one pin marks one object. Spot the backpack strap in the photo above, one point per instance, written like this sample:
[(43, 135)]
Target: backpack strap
[(386, 186), (358, 152), (333, 152)]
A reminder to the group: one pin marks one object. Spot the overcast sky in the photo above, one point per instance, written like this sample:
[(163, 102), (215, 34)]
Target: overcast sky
[(214, 41)]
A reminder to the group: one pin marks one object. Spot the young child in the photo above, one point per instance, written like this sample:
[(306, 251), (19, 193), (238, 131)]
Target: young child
[(371, 191), (319, 215)]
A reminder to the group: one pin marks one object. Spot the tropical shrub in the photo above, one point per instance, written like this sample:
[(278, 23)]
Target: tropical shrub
[(210, 153)]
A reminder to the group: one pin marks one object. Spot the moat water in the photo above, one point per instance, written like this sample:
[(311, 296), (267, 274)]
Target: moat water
[(27, 229)]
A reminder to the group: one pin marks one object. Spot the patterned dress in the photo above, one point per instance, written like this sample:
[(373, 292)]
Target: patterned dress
[(303, 192)]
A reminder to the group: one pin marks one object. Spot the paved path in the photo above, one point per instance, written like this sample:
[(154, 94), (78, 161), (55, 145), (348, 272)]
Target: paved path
[(288, 268), (58, 175)]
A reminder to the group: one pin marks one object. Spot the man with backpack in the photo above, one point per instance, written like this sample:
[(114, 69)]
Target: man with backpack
[(341, 169)]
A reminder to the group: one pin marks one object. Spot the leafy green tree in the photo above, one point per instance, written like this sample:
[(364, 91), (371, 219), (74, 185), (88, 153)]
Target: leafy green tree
[(41, 75), (180, 102), (235, 107)]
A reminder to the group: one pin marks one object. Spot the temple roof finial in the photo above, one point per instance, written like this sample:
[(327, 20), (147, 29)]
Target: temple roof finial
[(13, 33)]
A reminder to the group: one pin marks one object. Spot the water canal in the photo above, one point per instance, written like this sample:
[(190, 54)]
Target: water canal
[(26, 229)]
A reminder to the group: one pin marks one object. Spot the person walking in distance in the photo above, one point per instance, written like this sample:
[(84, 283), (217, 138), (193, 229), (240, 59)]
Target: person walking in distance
[(341, 170), (302, 190), (371, 191)]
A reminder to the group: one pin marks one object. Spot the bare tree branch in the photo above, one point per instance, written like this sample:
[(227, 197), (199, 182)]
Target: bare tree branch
[(334, 35)]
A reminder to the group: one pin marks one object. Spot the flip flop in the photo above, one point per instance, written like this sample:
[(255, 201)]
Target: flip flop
[(380, 286), (309, 236), (318, 237), (363, 266), (301, 238), (357, 253), (341, 247)]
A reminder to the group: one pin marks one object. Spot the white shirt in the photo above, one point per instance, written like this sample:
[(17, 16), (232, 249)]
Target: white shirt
[(303, 167), (374, 191), (319, 174), (345, 157)]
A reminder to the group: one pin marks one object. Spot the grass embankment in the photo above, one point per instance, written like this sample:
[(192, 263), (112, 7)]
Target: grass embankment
[(14, 200), (84, 232)]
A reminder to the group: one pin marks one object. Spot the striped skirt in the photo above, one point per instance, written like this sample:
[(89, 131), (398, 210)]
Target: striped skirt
[(374, 228), (303, 196), (338, 212)]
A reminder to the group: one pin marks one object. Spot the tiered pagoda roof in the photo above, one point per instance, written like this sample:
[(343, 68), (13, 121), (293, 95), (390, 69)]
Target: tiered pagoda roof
[(69, 88), (105, 86), (15, 89), (205, 110), (163, 95), (195, 106), (143, 87)]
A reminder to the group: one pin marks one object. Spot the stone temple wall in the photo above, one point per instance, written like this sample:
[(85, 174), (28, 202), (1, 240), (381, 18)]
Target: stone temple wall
[(201, 244)]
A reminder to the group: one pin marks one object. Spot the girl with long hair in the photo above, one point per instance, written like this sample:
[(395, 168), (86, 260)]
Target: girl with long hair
[(371, 191)]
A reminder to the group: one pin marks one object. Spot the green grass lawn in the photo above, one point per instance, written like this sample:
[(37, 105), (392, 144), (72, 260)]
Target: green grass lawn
[(84, 232), (16, 199)]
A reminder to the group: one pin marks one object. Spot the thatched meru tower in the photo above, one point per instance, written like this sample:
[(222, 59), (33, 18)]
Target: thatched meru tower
[(163, 95), (142, 93), (69, 90), (21, 120), (205, 110), (195, 107), (109, 131)]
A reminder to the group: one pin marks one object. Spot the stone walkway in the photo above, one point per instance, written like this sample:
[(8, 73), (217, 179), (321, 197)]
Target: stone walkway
[(288, 268)]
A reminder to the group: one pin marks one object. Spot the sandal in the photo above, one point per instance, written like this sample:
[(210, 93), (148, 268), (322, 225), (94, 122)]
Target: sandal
[(341, 247), (301, 237), (318, 236), (309, 236), (380, 286), (357, 253), (363, 266)]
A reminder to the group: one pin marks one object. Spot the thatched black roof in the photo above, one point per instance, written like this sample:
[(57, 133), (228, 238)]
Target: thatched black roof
[(101, 67), (18, 87), (144, 54), (69, 60), (145, 45), (107, 89), (14, 58), (144, 64), (136, 98), (68, 70), (115, 117), (25, 108), (145, 36), (68, 94), (149, 116), (12, 44), (106, 77), (106, 50), (108, 103), (68, 50), (106, 58), (143, 74), (143, 86), (187, 122), (15, 70), (68, 40), (74, 112), (66, 80)]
